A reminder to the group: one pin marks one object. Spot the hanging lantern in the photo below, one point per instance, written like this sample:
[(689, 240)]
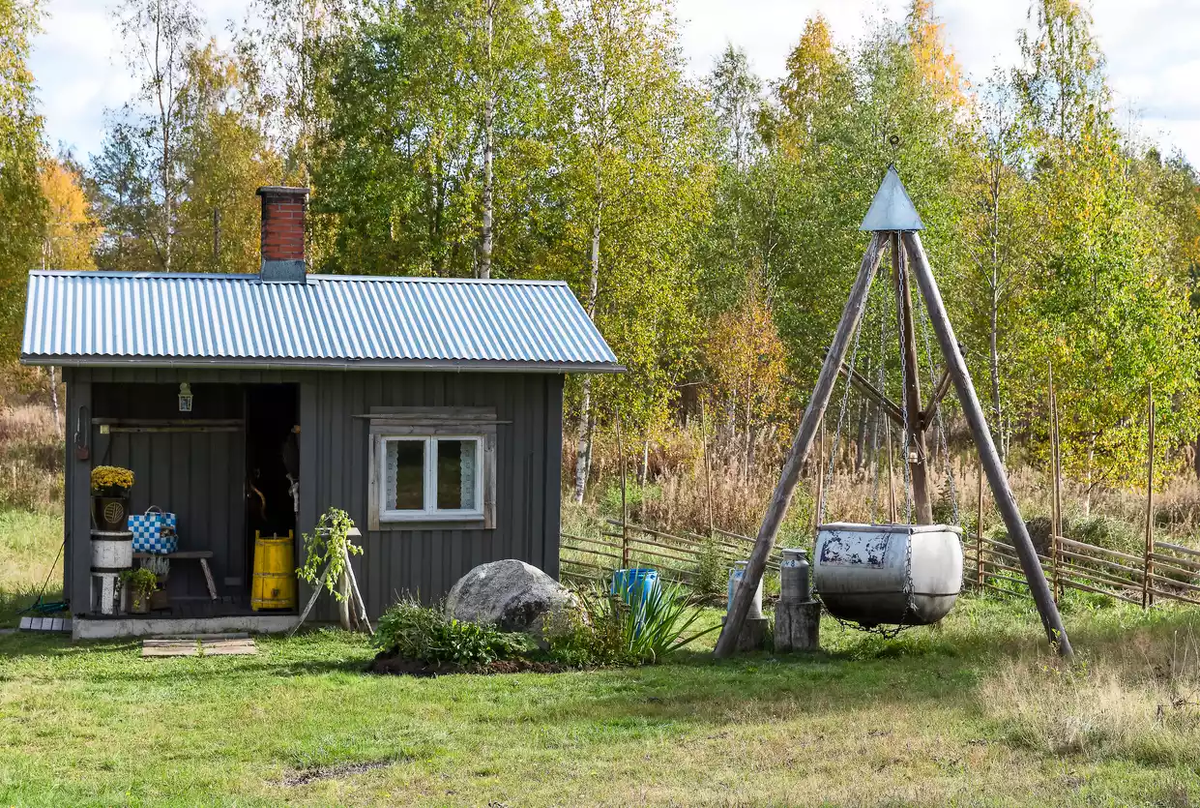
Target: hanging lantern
[(185, 397)]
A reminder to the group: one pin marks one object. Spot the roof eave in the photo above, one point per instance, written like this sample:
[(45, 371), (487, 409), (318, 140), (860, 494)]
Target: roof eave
[(233, 363)]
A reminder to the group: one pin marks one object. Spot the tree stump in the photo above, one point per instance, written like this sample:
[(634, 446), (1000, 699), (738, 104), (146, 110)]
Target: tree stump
[(797, 625)]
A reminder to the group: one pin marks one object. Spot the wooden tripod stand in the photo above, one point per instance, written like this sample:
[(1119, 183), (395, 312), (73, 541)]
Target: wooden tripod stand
[(892, 218)]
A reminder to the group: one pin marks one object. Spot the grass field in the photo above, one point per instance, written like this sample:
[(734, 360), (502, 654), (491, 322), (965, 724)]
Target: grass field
[(972, 713)]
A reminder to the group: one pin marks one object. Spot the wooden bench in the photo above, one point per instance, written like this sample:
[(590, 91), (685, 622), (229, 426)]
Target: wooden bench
[(190, 555)]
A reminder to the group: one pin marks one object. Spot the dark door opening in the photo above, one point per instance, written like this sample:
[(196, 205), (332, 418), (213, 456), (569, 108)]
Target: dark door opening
[(272, 461)]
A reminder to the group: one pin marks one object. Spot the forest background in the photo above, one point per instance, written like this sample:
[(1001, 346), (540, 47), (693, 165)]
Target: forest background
[(708, 224)]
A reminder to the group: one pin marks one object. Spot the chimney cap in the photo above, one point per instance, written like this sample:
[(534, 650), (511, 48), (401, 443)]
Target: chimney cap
[(281, 190)]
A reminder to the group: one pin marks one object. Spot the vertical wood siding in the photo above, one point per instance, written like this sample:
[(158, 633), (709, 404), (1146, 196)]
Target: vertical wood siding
[(190, 474)]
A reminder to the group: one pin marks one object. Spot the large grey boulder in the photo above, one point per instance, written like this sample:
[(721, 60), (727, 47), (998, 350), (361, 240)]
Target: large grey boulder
[(511, 594)]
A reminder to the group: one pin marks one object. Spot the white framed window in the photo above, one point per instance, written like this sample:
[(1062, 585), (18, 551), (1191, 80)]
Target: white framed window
[(431, 478), (432, 467)]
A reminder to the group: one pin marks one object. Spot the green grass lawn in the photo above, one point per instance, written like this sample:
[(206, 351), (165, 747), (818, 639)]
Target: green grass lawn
[(971, 713), (29, 557)]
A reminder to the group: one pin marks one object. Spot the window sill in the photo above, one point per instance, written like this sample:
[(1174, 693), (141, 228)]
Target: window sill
[(406, 526)]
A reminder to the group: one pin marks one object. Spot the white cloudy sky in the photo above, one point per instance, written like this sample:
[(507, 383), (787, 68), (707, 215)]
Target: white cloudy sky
[(1151, 45)]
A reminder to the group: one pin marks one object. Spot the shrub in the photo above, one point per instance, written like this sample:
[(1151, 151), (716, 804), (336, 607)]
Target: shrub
[(710, 575), (1109, 533), (425, 634), (609, 631)]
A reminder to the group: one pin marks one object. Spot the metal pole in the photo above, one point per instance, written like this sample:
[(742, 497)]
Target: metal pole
[(801, 445), (1056, 633)]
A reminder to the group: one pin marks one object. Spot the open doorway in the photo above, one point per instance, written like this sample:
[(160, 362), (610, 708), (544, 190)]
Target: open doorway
[(272, 461)]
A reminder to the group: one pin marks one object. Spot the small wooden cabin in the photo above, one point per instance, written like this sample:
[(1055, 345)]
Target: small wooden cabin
[(429, 409)]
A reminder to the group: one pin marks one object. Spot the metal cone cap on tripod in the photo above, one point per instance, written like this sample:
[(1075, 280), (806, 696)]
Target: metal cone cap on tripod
[(892, 209)]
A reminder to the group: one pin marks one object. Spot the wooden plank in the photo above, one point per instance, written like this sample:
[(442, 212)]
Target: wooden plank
[(1091, 548), (1181, 564), (1177, 548), (173, 648)]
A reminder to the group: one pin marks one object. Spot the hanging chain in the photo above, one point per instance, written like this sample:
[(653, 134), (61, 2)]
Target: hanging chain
[(909, 606), (837, 432), (901, 281), (879, 413)]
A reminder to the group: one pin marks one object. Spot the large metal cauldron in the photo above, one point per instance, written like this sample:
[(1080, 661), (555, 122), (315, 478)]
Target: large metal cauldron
[(888, 574)]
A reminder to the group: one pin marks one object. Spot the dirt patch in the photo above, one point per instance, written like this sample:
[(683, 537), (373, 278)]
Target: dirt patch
[(305, 776), (402, 666)]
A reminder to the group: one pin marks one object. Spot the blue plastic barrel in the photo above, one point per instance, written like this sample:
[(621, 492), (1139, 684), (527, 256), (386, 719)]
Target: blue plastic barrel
[(635, 585)]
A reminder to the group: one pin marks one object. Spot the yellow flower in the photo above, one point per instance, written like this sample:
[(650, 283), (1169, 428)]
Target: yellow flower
[(108, 477)]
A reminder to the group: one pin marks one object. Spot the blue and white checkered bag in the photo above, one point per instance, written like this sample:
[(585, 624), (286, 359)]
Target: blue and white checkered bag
[(153, 531)]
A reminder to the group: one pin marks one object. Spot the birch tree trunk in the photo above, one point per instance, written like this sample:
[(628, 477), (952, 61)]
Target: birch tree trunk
[(484, 269), (54, 399), (583, 459)]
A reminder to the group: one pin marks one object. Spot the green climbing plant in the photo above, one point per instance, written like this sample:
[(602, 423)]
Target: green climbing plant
[(326, 551)]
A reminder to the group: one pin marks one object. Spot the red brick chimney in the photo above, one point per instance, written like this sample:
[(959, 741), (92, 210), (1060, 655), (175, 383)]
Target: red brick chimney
[(283, 233)]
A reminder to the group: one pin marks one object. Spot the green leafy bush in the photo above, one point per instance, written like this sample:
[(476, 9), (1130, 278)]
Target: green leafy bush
[(710, 574), (608, 631), (1109, 533), (425, 634)]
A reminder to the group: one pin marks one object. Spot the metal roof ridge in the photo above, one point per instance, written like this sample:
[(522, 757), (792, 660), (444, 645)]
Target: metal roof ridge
[(319, 277)]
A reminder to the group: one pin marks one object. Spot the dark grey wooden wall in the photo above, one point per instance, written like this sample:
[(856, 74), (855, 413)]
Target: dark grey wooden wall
[(428, 562), (196, 473)]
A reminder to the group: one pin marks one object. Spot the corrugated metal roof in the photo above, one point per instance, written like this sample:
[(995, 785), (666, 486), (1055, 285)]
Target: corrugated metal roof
[(328, 321)]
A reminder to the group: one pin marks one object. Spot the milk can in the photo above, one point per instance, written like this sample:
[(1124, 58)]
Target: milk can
[(735, 579), (794, 576)]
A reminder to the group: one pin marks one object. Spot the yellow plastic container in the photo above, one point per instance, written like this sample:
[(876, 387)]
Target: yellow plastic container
[(274, 585)]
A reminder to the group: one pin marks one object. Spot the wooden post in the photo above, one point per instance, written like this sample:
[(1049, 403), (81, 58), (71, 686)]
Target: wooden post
[(820, 479), (1056, 491), (357, 598), (624, 506), (912, 387), (891, 478), (1148, 567), (707, 467), (979, 576), (1056, 633), (813, 416)]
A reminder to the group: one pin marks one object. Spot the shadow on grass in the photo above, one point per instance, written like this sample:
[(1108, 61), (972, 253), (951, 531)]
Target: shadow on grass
[(13, 604)]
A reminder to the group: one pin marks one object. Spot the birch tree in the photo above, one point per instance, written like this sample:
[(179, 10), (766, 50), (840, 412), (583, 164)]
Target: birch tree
[(158, 36)]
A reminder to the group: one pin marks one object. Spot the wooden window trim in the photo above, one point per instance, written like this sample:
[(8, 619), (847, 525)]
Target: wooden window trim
[(435, 422)]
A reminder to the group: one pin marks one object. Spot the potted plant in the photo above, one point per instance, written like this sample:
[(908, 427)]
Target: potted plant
[(140, 583), (110, 497)]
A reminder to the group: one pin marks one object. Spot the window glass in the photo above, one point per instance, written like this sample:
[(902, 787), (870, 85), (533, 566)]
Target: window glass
[(456, 470), (405, 484)]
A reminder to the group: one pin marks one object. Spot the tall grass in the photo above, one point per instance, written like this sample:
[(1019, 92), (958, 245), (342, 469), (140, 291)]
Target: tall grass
[(1136, 701), (31, 459), (678, 494)]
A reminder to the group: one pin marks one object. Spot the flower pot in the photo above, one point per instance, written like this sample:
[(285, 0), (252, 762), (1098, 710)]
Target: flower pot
[(158, 598), (139, 604), (110, 513)]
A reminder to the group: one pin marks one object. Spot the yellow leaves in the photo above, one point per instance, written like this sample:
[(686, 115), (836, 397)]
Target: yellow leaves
[(746, 361), (70, 230)]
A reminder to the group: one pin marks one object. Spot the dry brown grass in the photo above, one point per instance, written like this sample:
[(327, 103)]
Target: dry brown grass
[(31, 459), (1136, 700)]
